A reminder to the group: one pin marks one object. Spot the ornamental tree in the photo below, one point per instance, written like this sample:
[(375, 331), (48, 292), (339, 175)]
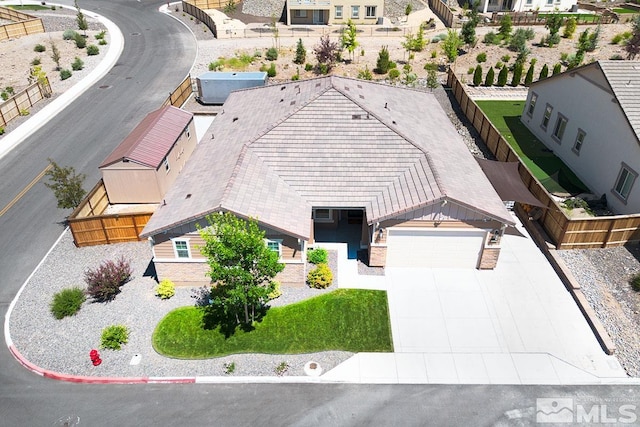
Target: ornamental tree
[(66, 185)]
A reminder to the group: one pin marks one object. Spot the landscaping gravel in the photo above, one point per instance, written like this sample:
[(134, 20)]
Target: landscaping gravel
[(604, 276), (63, 345)]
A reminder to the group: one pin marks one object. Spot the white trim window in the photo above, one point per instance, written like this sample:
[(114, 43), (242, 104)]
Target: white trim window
[(369, 12), (167, 168), (625, 181), (181, 248), (188, 133), (338, 12), (275, 245), (532, 104), (529, 2), (547, 116), (355, 12), (577, 145), (323, 215), (561, 125)]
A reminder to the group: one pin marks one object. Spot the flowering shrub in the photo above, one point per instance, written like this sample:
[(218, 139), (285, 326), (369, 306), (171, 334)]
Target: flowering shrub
[(105, 281)]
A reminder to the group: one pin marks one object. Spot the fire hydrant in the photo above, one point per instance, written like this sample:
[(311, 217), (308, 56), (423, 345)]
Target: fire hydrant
[(95, 357)]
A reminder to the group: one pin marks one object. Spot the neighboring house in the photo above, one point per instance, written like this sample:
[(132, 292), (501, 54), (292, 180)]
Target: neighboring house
[(334, 159), (526, 5), (590, 118), (334, 12), (147, 162)]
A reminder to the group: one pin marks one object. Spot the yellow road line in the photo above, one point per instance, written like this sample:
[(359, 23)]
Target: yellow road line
[(24, 190)]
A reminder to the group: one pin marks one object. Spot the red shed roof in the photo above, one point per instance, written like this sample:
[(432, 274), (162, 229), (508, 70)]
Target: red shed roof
[(149, 143)]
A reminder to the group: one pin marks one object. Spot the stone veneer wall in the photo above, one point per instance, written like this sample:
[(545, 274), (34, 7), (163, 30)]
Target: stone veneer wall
[(292, 274), (184, 273), (377, 255), (489, 258)]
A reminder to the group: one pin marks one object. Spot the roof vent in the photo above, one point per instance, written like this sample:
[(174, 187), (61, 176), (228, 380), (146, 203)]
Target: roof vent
[(361, 96), (293, 102), (281, 99), (359, 86), (385, 106), (283, 88), (346, 88), (188, 196), (235, 119), (394, 122), (317, 84), (356, 116)]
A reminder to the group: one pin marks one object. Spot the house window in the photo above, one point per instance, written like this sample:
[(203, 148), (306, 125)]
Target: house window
[(549, 2), (579, 141), (355, 12), (166, 165), (529, 2), (532, 104), (338, 12), (546, 117), (300, 13), (275, 245), (561, 125), (369, 11), (323, 215), (186, 132), (625, 181), (181, 248)]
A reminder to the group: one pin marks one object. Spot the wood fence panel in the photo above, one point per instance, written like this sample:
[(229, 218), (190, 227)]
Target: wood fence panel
[(106, 229), (23, 100), (22, 24), (181, 94)]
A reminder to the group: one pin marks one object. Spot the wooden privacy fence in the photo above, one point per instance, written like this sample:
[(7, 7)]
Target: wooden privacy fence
[(566, 233), (196, 8), (538, 18), (23, 100), (178, 97), (89, 226), (22, 24), (442, 11)]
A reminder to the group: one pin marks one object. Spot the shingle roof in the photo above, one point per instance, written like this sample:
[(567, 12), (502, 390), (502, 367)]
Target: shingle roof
[(277, 151), (150, 141), (624, 79)]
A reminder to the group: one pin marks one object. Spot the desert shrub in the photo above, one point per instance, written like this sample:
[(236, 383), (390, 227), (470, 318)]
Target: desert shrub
[(102, 42), (67, 302), (100, 35), (471, 70), (69, 35), (92, 50), (105, 281), (271, 71), (490, 78), (320, 277), (77, 64), (296, 76), (81, 42), (317, 256), (502, 76), (36, 61), (216, 65), (616, 57), (39, 48), (505, 58), (477, 75), (365, 74), (114, 336), (271, 54), (498, 65), (564, 56), (382, 64), (491, 38), (308, 67), (165, 289), (394, 73), (482, 57), (557, 69), (635, 282), (65, 74), (431, 66), (434, 54), (281, 369), (229, 367)]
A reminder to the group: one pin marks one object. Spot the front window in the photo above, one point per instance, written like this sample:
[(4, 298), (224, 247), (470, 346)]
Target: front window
[(532, 104), (338, 12), (577, 146), (549, 2), (300, 13), (274, 245), (546, 117), (529, 2), (561, 125), (181, 248), (370, 11), (625, 181), (355, 12), (322, 215)]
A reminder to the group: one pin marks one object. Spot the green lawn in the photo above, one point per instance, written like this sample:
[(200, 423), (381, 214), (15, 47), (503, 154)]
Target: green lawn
[(505, 116), (624, 10), (580, 17), (28, 7), (346, 319)]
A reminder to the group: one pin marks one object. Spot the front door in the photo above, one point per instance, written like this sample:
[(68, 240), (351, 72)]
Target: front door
[(318, 16)]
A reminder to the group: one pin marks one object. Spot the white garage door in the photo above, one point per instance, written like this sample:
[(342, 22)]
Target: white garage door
[(434, 248)]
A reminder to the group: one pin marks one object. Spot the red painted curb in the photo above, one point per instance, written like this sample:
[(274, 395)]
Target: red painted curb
[(94, 380)]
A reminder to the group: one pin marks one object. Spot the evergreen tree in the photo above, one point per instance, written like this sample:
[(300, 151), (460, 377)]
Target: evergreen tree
[(382, 64), (505, 27), (517, 75), (557, 69), (301, 53), (489, 79), (544, 73), (81, 19), (528, 79), (633, 44), (477, 75), (502, 76)]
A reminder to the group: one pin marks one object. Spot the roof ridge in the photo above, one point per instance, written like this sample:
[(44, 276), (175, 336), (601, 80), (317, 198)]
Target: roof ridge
[(616, 93)]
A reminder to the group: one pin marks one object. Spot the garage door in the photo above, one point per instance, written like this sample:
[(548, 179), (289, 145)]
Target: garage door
[(434, 248)]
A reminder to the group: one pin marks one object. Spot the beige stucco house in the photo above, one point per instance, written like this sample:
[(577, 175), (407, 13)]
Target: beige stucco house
[(526, 5), (334, 12), (590, 118), (147, 162), (334, 159)]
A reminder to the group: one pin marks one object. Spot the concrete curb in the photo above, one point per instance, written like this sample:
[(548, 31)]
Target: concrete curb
[(570, 282)]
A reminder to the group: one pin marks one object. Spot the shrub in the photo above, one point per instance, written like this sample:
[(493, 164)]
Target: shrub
[(65, 74), (635, 282), (434, 54), (528, 79), (570, 27), (105, 281), (81, 42), (92, 50), (477, 75), (100, 35), (490, 78), (271, 54), (301, 53), (557, 69), (77, 64), (365, 74), (308, 67), (471, 70), (39, 48), (36, 61), (67, 302), (317, 256), (320, 277), (323, 68), (276, 292), (102, 42), (394, 73), (517, 75), (216, 65), (498, 65), (491, 38), (544, 73), (431, 66), (114, 336), (482, 57), (502, 76), (1, 130), (165, 289), (271, 71), (69, 35), (281, 369), (616, 57), (382, 64), (229, 367), (24, 112), (505, 58)]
